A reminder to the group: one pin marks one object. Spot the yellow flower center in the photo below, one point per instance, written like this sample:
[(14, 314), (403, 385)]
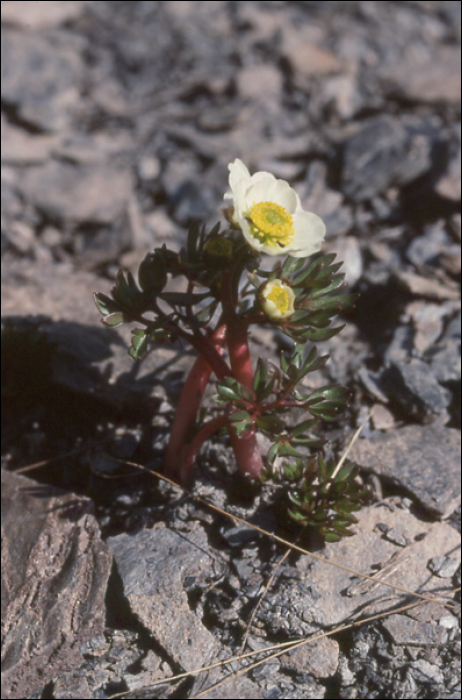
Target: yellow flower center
[(279, 297), (271, 224)]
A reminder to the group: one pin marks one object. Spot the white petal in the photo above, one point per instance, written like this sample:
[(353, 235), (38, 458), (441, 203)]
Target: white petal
[(259, 188), (310, 232), (237, 172), (282, 193)]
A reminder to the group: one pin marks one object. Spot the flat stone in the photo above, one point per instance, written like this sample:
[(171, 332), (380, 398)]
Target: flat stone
[(427, 320), (415, 389), (385, 151), (55, 570), (405, 631), (78, 193), (154, 565), (425, 460), (430, 79), (318, 593), (427, 287), (307, 60), (86, 350), (40, 15), (40, 78), (320, 659), (21, 148), (260, 82)]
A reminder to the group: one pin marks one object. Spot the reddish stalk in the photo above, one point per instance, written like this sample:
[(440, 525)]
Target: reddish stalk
[(247, 453), (191, 451), (245, 447), (188, 405)]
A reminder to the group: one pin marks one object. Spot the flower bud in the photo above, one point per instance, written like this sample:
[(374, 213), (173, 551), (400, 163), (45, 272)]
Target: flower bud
[(277, 299)]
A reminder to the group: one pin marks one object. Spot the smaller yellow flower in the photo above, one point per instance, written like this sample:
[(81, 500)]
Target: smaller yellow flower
[(277, 300)]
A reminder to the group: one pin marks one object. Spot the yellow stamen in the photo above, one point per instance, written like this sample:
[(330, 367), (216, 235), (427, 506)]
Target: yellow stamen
[(279, 296), (271, 223)]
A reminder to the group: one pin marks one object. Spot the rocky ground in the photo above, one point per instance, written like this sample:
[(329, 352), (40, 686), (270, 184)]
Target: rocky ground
[(118, 122)]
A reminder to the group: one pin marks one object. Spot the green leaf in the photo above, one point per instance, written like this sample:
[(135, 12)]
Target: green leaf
[(332, 537), (273, 452), (131, 283), (292, 265), (139, 344), (345, 472), (125, 292), (240, 416), (226, 392), (337, 304), (232, 390), (336, 282), (317, 335), (314, 269), (114, 320), (303, 427), (284, 364), (260, 376), (152, 274), (160, 335), (191, 244), (105, 305), (287, 450), (271, 423), (205, 315), (334, 391), (183, 298)]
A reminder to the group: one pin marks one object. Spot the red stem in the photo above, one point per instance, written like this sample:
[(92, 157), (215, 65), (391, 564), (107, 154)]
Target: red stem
[(247, 453), (188, 405), (191, 451), (245, 447)]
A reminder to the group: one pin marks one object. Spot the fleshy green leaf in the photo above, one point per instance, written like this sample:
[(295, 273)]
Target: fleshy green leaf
[(317, 335), (152, 274), (105, 305), (114, 320), (139, 344)]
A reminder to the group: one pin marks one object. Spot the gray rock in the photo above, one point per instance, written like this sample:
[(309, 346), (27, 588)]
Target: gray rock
[(426, 79), (33, 15), (78, 193), (40, 77), (319, 594), (55, 570), (154, 565), (427, 248), (412, 386), (425, 460), (385, 151)]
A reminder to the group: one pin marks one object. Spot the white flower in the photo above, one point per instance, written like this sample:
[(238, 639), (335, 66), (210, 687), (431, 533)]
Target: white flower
[(277, 299), (269, 213)]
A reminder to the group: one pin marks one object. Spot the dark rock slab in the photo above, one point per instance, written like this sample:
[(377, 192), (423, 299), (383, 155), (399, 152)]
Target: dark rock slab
[(385, 151), (425, 460), (55, 570), (415, 389), (155, 566)]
